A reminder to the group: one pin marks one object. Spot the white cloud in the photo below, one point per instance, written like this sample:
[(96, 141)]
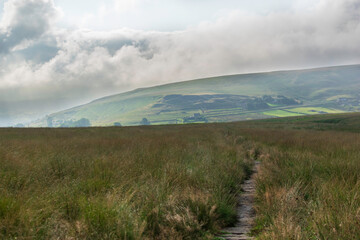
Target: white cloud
[(126, 5), (88, 64), (24, 21)]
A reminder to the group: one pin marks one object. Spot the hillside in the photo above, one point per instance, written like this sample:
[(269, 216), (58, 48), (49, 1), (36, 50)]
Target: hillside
[(226, 98)]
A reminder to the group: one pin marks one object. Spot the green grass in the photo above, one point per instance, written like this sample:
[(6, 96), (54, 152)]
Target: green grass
[(314, 110), (309, 183), (176, 182), (299, 111), (339, 96), (281, 113), (182, 181)]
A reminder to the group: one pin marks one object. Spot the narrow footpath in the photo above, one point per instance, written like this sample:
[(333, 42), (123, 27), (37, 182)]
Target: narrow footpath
[(246, 212)]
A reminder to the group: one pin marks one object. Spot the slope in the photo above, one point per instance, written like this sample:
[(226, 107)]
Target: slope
[(226, 98)]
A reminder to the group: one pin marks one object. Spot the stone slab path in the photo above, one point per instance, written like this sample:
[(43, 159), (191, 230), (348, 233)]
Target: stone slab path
[(246, 212)]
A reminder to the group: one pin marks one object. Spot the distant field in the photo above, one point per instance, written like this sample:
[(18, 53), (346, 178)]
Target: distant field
[(299, 111), (314, 110), (282, 113), (182, 181)]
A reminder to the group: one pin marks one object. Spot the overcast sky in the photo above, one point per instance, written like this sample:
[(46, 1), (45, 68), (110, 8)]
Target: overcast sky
[(55, 54)]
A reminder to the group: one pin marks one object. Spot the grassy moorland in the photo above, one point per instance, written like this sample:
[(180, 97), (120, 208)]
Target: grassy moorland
[(309, 184), (181, 181), (174, 182)]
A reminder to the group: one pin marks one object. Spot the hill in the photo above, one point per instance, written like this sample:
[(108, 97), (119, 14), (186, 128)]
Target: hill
[(226, 98)]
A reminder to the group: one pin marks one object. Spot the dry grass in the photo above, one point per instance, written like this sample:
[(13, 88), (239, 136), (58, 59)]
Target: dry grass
[(309, 186), (174, 182), (181, 182)]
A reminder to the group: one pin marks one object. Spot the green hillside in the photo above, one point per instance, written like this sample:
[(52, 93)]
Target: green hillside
[(226, 98)]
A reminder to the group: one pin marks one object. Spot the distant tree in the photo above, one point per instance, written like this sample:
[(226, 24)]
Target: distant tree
[(83, 122), (144, 121), (117, 124), (66, 124), (49, 121), (19, 125)]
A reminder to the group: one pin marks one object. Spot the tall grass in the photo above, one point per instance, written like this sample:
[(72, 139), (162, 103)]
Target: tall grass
[(309, 184), (181, 182), (174, 182)]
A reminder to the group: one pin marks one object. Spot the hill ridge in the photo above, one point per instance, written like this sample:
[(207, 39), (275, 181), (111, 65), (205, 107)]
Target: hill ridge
[(313, 87)]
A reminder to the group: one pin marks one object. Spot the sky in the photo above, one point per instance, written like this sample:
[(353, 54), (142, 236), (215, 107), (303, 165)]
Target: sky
[(56, 54)]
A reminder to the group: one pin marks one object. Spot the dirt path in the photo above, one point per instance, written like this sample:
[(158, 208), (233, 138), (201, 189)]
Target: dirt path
[(246, 212)]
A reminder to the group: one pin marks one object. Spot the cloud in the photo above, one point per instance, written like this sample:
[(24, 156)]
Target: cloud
[(126, 5), (24, 21), (74, 66)]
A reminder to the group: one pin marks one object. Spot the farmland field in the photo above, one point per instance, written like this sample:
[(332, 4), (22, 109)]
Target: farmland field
[(282, 113), (314, 110), (182, 181)]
